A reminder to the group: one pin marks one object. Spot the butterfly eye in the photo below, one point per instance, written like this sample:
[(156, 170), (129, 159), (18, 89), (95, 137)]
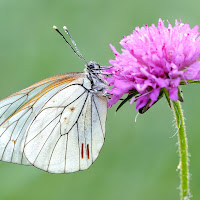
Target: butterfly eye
[(90, 65)]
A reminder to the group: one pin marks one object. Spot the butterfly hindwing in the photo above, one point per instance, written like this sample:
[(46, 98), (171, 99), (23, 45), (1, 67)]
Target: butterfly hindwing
[(56, 120), (99, 113), (67, 135)]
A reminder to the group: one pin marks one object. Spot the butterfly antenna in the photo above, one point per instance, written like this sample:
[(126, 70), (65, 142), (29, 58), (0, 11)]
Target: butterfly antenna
[(73, 42), (75, 49)]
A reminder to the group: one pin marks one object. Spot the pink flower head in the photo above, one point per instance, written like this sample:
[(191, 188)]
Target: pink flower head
[(153, 59)]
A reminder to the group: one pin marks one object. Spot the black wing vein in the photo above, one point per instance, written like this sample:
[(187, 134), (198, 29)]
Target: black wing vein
[(46, 141), (98, 116)]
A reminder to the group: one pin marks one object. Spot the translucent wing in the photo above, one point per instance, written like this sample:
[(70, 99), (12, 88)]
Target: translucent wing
[(11, 104), (69, 131), (61, 129), (18, 110)]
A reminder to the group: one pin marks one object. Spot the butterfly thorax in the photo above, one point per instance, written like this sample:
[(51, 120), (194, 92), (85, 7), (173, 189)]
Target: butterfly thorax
[(94, 74)]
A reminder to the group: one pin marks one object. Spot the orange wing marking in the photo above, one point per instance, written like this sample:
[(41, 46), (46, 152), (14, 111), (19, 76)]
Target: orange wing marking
[(59, 80), (45, 81), (82, 151), (88, 152)]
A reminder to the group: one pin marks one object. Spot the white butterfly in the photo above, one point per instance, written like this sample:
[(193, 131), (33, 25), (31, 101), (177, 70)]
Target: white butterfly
[(57, 124)]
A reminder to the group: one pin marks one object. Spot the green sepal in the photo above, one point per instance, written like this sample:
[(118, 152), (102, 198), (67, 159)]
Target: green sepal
[(167, 97), (146, 107), (129, 96), (180, 95), (189, 82), (198, 82)]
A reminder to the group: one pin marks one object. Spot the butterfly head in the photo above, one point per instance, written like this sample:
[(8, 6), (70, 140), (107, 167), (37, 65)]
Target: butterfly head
[(93, 69), (93, 66)]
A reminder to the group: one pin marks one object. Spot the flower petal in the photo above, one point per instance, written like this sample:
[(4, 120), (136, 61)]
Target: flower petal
[(141, 102), (173, 94)]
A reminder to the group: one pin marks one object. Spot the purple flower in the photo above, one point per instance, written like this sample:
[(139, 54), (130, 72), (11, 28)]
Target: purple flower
[(153, 60)]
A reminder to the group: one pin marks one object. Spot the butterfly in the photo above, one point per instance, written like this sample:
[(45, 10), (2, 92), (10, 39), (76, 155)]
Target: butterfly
[(57, 124)]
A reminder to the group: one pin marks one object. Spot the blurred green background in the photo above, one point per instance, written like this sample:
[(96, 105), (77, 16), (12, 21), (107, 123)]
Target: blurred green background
[(138, 160)]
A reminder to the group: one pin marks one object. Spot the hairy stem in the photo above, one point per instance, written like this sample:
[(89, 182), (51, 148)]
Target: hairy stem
[(183, 151)]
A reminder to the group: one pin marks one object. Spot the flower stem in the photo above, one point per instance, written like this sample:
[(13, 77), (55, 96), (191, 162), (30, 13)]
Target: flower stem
[(183, 151)]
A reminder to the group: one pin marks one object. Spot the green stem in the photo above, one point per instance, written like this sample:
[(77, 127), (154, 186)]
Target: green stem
[(183, 151)]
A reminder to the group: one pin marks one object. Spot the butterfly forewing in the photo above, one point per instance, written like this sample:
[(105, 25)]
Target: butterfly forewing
[(17, 118), (57, 125), (11, 104)]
